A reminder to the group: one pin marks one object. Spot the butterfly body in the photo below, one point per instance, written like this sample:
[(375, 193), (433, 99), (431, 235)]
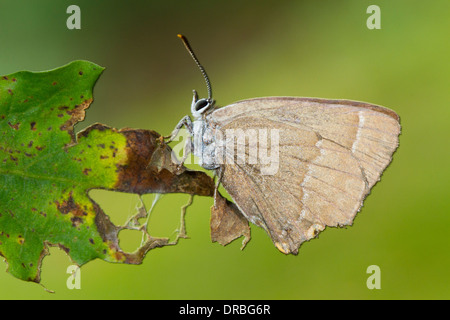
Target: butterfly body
[(204, 143)]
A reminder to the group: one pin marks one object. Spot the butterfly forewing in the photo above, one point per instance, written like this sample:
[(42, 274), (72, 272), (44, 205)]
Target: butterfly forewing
[(330, 153)]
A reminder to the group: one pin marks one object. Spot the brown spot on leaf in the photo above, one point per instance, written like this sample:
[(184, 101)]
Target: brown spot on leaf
[(76, 221), (119, 256), (14, 126), (69, 206), (66, 250), (76, 115), (107, 230), (86, 171), (20, 239), (33, 126)]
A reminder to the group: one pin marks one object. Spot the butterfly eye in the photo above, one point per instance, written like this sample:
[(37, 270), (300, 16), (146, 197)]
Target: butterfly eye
[(199, 107), (201, 104)]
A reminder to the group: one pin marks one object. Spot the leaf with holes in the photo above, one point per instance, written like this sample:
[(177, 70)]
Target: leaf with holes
[(46, 171)]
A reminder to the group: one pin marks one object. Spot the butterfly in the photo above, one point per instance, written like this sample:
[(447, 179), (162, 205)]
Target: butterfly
[(323, 158)]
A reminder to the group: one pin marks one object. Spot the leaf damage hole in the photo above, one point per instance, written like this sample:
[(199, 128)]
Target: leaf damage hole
[(130, 240), (151, 215)]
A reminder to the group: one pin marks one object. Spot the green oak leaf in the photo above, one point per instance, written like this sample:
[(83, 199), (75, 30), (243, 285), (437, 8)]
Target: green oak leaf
[(46, 171)]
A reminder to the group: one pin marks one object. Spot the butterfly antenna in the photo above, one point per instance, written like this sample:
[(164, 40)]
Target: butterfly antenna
[(202, 70)]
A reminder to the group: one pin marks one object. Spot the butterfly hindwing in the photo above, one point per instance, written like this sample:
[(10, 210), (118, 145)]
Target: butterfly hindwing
[(330, 154)]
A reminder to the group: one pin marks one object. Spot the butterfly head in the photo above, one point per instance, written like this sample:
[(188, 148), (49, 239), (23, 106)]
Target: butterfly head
[(200, 107)]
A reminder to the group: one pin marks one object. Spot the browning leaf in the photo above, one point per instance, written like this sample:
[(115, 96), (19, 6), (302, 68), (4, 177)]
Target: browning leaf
[(46, 171), (227, 222)]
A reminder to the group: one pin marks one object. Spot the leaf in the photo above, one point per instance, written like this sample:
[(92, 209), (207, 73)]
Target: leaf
[(46, 171), (227, 222)]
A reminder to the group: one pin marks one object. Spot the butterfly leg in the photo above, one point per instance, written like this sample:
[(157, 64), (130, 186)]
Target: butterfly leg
[(219, 174), (185, 122), (188, 147)]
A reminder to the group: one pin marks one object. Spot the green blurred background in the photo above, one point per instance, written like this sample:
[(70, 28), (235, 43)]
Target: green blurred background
[(253, 49)]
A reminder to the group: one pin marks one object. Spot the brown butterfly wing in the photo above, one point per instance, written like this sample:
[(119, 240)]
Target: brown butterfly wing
[(331, 153)]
